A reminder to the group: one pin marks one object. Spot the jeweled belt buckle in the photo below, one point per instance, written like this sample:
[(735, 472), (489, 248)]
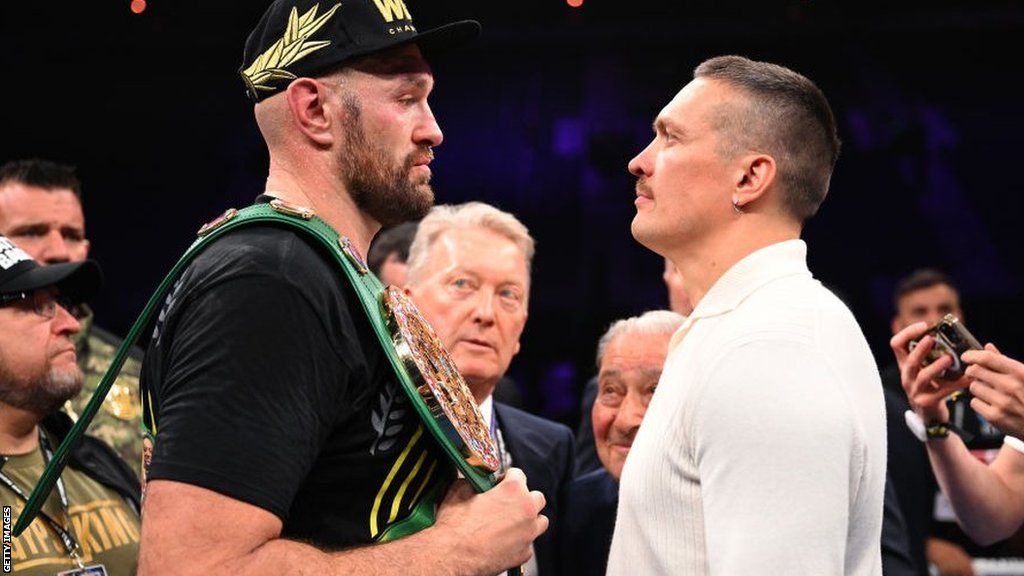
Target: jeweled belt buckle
[(439, 382)]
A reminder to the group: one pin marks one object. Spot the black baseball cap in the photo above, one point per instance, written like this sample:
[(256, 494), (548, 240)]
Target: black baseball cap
[(305, 37), (77, 281)]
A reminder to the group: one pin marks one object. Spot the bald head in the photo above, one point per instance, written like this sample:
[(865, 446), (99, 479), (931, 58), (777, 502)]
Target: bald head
[(272, 117)]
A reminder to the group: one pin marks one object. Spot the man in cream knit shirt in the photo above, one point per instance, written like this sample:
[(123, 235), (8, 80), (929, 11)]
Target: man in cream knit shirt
[(763, 448)]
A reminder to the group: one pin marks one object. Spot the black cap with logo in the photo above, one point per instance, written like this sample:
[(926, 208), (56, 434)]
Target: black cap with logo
[(305, 37), (77, 281)]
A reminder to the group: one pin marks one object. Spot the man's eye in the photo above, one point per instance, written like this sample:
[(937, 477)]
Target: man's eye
[(609, 397), (510, 294)]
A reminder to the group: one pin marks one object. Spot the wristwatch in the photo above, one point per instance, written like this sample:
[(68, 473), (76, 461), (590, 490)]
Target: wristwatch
[(923, 432)]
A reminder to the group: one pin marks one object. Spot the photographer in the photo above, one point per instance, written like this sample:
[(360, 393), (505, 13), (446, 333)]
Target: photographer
[(988, 500)]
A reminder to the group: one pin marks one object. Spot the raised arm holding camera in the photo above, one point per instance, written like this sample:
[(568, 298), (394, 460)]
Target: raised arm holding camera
[(988, 499)]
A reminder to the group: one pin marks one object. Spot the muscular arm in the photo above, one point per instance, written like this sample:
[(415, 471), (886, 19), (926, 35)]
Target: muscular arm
[(194, 531)]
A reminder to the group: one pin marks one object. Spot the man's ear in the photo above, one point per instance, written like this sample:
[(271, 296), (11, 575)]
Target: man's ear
[(895, 325), (310, 107), (755, 175)]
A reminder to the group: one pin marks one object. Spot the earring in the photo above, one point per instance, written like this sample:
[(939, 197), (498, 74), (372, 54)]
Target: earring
[(736, 206)]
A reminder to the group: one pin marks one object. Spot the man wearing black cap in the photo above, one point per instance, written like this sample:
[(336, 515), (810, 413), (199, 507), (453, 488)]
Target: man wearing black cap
[(41, 211), (92, 519), (281, 433)]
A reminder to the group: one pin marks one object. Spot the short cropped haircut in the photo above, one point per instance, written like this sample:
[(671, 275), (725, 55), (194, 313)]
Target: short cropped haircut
[(652, 322), (41, 174), (463, 216), (919, 280), (394, 240), (787, 117)]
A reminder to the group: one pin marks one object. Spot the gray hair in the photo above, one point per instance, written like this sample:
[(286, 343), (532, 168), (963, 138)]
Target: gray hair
[(652, 322), (462, 216)]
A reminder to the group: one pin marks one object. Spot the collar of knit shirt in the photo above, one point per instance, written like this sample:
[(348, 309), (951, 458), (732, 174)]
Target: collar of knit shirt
[(745, 277)]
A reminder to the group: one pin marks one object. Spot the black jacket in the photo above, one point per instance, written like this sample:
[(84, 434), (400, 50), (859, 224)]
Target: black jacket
[(543, 450), (97, 460)]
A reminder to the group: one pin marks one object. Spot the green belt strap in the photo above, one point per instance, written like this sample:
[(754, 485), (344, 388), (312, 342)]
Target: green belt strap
[(367, 287)]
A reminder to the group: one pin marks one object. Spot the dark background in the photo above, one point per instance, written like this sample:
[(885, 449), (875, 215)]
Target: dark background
[(540, 118)]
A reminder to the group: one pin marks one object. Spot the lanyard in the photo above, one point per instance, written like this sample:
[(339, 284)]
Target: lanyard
[(69, 542)]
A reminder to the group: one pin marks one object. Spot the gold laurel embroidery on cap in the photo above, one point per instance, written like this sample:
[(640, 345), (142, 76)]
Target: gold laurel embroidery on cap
[(290, 48)]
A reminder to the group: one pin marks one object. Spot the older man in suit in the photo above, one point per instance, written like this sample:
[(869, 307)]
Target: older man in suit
[(469, 272), (630, 357)]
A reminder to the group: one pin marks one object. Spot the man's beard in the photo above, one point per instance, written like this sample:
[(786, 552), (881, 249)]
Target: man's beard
[(42, 394), (381, 189)]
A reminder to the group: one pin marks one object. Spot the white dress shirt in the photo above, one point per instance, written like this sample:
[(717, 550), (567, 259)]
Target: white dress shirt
[(487, 411)]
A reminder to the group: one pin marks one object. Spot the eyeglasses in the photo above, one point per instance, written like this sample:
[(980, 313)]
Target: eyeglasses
[(43, 302)]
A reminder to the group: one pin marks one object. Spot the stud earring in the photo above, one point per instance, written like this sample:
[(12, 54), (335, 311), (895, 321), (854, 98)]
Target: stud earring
[(736, 206)]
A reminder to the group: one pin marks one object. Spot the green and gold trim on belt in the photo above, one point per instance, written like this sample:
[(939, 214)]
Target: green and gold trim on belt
[(424, 369)]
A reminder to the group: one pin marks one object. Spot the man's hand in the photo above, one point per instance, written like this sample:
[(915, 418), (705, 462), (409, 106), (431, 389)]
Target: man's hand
[(948, 558), (926, 393), (998, 388), (491, 531)]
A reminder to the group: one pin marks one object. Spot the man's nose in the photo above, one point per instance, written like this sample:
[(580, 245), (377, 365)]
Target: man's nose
[(483, 309), (630, 414), (428, 133), (55, 249), (64, 322), (933, 317), (639, 165)]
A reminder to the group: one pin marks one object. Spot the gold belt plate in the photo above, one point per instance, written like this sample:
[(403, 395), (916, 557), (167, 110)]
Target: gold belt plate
[(439, 382)]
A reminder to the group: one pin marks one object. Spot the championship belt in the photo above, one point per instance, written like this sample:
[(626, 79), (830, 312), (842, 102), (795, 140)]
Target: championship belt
[(441, 387), (442, 400), (420, 362)]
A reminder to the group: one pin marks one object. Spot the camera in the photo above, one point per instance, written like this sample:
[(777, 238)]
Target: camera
[(951, 338)]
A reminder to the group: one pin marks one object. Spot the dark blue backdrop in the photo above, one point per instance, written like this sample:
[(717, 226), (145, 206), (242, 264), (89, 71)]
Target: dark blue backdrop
[(540, 118)]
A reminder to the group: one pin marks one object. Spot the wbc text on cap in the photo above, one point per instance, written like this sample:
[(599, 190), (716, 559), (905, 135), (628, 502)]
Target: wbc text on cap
[(296, 38)]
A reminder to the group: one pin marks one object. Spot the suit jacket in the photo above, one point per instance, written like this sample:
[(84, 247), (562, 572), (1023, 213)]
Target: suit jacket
[(544, 451), (586, 452), (588, 522)]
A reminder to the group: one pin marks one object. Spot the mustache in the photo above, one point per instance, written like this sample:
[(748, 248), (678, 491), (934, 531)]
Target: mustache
[(642, 188), (424, 154)]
